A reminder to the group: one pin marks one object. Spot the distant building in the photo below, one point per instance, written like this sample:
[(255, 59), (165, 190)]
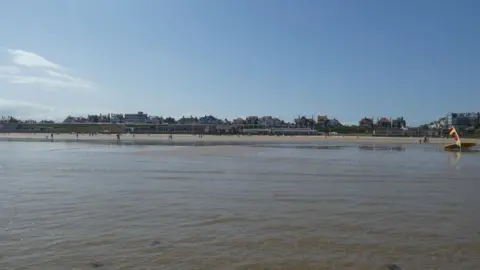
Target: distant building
[(116, 118), (305, 122), (366, 122), (332, 123), (75, 120), (101, 118), (137, 118), (322, 120), (269, 121), (462, 120), (251, 120), (399, 122), (238, 121), (155, 120), (68, 120), (384, 122), (188, 120), (209, 119)]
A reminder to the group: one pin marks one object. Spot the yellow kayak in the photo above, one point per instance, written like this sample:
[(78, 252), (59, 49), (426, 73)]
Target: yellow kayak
[(454, 147)]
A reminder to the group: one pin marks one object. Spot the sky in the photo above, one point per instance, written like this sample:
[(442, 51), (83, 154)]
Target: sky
[(346, 59)]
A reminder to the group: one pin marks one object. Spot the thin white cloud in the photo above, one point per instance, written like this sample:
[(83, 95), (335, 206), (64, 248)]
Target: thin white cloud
[(48, 82), (24, 110), (58, 75), (27, 68), (10, 70), (29, 59)]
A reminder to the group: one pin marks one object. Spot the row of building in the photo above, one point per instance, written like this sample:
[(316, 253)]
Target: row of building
[(143, 118), (459, 120), (266, 121), (260, 121), (462, 121), (383, 122)]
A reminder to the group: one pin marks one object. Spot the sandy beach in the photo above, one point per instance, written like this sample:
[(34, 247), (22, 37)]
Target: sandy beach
[(187, 139)]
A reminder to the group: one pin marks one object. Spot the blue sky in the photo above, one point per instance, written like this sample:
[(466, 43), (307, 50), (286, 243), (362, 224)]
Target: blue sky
[(343, 58)]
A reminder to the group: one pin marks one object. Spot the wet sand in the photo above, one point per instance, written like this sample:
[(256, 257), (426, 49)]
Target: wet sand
[(143, 139)]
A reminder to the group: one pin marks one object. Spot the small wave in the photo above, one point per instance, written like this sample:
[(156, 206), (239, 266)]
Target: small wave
[(212, 222)]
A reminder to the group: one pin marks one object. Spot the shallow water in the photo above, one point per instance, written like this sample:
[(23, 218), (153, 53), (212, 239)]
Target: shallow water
[(304, 206)]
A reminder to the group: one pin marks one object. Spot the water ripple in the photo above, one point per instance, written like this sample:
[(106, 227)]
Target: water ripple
[(222, 207)]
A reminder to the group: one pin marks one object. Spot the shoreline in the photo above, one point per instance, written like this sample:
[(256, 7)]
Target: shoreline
[(191, 140)]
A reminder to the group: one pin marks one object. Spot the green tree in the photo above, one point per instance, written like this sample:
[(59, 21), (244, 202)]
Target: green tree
[(13, 120), (170, 120)]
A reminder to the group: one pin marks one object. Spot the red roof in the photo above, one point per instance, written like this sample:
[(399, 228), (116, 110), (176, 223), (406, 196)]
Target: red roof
[(366, 121), (383, 120)]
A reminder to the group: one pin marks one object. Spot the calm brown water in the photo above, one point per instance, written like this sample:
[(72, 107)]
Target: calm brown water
[(64, 206)]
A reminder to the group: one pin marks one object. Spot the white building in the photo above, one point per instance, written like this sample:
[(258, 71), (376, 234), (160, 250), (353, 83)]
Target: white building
[(269, 121), (238, 121), (155, 120), (462, 120), (115, 118), (137, 118)]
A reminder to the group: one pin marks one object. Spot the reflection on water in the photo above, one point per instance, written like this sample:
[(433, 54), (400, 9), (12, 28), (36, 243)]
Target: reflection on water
[(68, 206), (381, 147), (335, 147)]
